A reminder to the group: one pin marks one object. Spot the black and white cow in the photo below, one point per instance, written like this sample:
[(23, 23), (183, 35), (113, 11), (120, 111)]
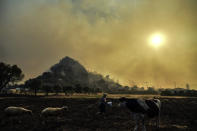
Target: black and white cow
[(141, 109)]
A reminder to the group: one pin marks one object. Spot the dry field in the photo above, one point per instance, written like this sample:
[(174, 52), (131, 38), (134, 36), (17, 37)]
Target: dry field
[(177, 114)]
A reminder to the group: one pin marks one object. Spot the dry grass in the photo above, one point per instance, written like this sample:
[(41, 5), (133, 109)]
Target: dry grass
[(177, 114)]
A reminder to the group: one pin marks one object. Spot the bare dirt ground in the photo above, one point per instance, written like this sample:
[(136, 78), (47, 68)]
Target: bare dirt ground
[(177, 114)]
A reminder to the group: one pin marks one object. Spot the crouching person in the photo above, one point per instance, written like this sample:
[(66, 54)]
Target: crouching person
[(102, 104)]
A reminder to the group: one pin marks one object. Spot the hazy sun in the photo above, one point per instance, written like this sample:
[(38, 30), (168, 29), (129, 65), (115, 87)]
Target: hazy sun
[(156, 40)]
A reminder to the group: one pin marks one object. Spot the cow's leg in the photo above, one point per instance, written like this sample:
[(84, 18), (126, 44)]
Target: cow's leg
[(143, 123), (137, 121), (158, 120), (136, 125)]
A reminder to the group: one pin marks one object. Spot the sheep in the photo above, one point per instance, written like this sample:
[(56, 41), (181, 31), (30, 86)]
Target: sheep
[(51, 111), (17, 111), (142, 109)]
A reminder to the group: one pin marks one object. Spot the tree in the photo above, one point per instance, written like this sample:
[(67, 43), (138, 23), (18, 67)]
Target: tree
[(65, 90), (103, 85), (151, 90), (57, 89), (68, 90), (134, 88), (46, 89), (142, 88), (166, 93), (97, 90), (33, 84), (86, 89), (78, 88), (126, 88), (9, 74), (187, 86)]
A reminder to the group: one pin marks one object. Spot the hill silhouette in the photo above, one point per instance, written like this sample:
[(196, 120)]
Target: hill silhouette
[(69, 72)]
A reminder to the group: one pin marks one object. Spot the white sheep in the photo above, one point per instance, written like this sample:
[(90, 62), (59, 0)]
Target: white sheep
[(17, 111), (52, 111)]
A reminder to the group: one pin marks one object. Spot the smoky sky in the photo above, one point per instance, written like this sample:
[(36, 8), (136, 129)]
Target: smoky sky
[(107, 36)]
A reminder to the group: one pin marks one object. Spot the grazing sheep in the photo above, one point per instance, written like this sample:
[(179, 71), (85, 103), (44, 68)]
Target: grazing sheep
[(141, 109), (17, 111), (51, 111)]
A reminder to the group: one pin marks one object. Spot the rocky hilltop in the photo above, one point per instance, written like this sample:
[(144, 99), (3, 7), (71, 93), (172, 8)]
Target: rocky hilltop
[(69, 72)]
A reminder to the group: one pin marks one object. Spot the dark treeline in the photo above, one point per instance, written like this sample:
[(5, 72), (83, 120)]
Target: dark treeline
[(179, 92), (135, 90), (37, 87), (68, 77)]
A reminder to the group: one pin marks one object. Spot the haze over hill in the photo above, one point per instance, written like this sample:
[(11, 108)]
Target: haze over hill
[(107, 36), (70, 73)]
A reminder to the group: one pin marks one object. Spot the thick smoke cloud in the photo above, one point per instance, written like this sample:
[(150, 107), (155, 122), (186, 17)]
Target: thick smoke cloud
[(108, 36)]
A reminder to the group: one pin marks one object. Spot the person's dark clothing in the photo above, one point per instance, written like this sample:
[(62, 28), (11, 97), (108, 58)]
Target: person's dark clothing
[(102, 108), (102, 105)]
